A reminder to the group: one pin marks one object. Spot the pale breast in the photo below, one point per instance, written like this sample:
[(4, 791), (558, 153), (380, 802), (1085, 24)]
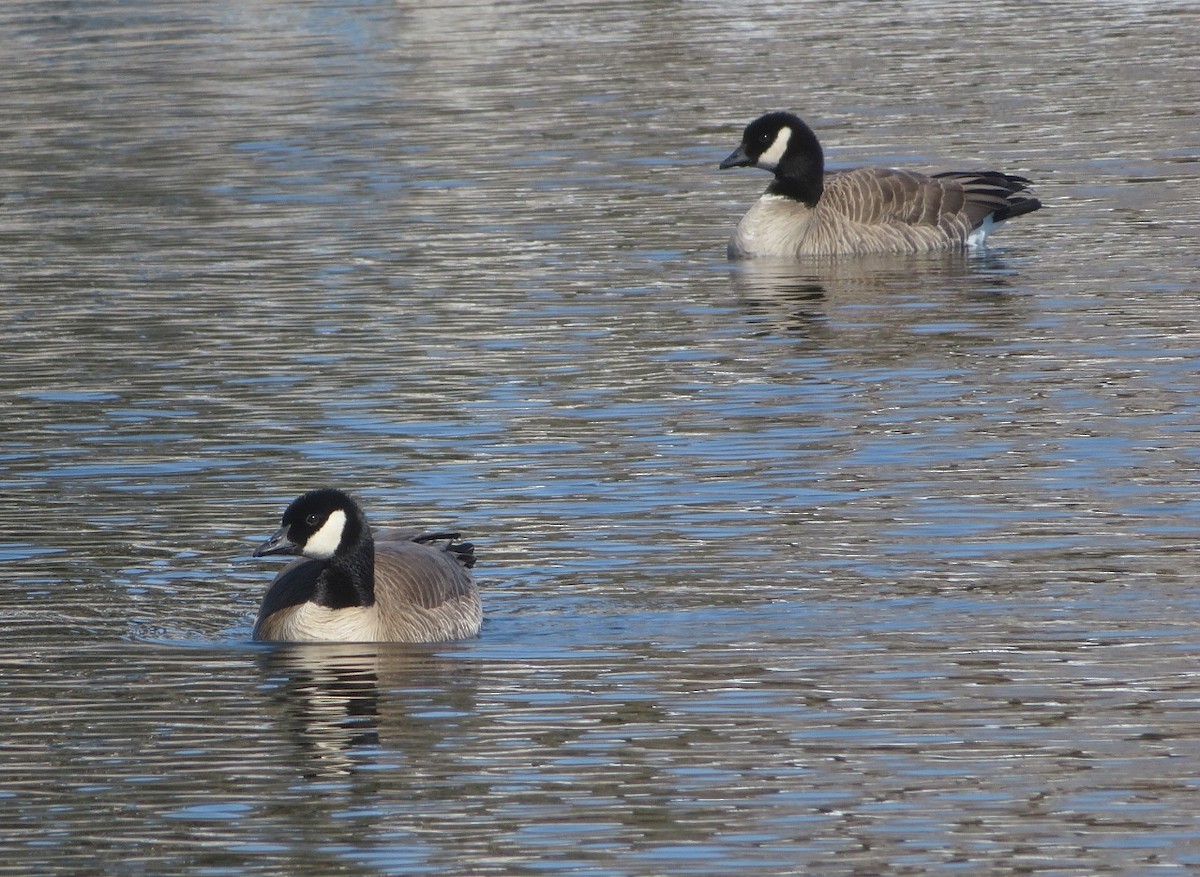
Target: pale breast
[(308, 622), (773, 226)]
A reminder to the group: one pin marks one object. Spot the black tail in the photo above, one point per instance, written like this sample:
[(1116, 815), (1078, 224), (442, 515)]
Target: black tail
[(1003, 196)]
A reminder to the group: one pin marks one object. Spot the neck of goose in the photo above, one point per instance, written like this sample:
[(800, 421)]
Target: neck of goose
[(800, 174), (348, 578), (807, 194)]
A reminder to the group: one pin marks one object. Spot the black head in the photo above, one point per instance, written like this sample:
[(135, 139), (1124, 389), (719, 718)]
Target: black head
[(781, 143), (322, 523)]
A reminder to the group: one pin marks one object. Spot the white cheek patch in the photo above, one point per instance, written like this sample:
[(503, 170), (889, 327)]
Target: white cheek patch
[(323, 543), (770, 159)]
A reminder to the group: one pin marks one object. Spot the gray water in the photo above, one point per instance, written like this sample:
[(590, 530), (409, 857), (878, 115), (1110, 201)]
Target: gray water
[(878, 567)]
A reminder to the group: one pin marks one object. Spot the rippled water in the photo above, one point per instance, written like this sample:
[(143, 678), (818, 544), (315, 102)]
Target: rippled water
[(863, 568)]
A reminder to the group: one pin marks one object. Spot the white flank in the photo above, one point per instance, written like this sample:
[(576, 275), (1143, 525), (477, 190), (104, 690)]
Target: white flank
[(770, 159), (978, 237), (323, 543)]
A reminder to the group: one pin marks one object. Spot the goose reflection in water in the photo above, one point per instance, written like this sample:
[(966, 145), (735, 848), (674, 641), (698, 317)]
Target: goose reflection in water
[(352, 705), (798, 297)]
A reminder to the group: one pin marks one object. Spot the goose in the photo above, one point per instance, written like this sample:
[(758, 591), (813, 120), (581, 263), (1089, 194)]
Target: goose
[(868, 210), (408, 586)]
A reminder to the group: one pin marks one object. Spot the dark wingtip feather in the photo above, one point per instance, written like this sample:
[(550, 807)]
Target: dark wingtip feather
[(1000, 195), (464, 552), (1018, 206)]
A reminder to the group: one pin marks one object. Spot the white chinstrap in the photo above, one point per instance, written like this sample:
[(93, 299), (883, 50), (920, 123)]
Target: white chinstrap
[(770, 159), (324, 543)]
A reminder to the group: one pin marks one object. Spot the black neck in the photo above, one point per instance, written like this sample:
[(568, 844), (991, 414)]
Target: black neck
[(805, 191), (348, 579), (800, 174)]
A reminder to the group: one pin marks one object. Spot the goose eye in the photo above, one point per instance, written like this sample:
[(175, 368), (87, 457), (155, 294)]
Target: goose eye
[(312, 520)]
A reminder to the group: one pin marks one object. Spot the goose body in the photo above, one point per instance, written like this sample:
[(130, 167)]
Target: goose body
[(347, 587), (807, 212)]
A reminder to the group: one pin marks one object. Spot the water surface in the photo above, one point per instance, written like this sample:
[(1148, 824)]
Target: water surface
[(856, 568)]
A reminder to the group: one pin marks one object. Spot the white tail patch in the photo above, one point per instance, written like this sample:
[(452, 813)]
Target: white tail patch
[(770, 159), (977, 239), (324, 543)]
